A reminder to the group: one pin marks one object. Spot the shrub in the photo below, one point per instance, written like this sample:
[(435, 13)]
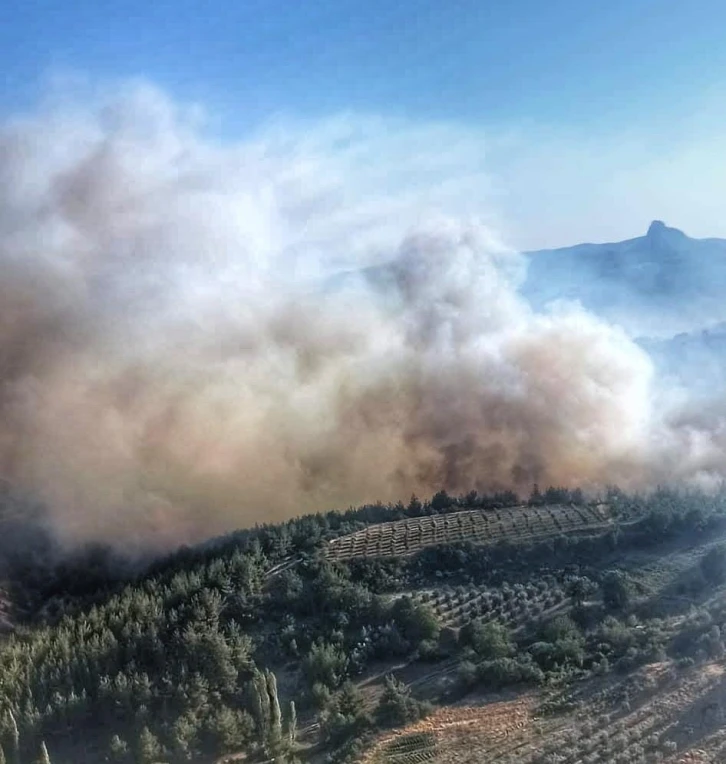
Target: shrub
[(616, 590), (467, 674), (416, 622), (344, 716), (489, 640), (397, 707), (325, 664), (505, 671), (428, 650)]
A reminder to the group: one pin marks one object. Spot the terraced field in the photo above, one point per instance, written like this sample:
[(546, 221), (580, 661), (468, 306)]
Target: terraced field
[(481, 526)]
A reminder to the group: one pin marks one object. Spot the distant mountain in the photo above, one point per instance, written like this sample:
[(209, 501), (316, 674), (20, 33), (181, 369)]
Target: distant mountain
[(658, 285), (667, 290)]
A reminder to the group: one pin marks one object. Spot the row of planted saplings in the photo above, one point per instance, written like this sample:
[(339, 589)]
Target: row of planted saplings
[(409, 749), (616, 744), (419, 532), (509, 604)]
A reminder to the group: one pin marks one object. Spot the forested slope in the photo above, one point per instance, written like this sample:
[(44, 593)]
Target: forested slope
[(260, 642)]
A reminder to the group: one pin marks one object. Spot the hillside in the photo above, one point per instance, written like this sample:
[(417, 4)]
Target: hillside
[(659, 284), (404, 537), (485, 640)]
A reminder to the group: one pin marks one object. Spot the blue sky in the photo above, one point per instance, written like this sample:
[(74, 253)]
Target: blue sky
[(566, 69), (464, 59)]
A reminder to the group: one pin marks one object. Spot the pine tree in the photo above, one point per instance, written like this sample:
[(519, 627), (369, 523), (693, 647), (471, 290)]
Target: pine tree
[(396, 706), (150, 749), (275, 712), (184, 736), (226, 729), (291, 724), (43, 757), (118, 749), (261, 706), (15, 734)]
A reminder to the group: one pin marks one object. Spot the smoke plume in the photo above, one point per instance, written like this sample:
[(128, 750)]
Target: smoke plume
[(177, 361)]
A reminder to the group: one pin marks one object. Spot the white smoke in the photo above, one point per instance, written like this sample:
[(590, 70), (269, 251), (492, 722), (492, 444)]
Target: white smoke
[(176, 364)]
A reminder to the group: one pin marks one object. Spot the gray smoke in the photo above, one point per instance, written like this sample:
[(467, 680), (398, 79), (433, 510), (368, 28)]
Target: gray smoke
[(176, 362)]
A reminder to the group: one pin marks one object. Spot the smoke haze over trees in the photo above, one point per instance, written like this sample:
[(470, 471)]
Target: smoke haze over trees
[(174, 367)]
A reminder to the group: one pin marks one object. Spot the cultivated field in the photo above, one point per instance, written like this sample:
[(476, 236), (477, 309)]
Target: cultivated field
[(669, 710), (510, 605), (457, 735), (481, 526), (658, 714)]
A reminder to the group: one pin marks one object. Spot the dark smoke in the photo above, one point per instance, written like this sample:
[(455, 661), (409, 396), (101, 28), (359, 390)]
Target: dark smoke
[(173, 367)]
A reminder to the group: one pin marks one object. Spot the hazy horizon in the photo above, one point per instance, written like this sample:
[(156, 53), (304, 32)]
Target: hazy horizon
[(558, 124)]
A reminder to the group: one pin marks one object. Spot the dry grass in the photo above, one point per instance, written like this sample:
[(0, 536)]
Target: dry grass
[(669, 716), (673, 716), (459, 735)]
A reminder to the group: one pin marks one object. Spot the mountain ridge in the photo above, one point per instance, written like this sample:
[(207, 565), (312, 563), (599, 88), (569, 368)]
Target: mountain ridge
[(657, 285), (660, 284)]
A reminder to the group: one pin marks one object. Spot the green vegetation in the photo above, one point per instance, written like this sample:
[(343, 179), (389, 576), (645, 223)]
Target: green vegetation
[(267, 642)]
